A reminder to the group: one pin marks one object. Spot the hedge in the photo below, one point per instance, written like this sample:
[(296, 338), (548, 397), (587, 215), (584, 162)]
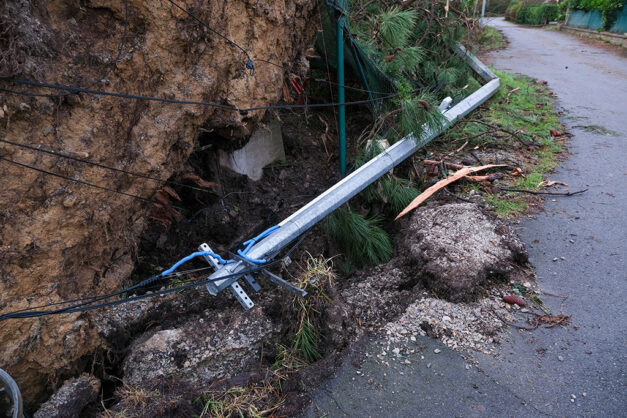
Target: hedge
[(538, 15)]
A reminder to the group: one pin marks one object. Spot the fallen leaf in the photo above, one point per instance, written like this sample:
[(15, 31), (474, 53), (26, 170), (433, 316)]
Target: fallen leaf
[(515, 300), (170, 191)]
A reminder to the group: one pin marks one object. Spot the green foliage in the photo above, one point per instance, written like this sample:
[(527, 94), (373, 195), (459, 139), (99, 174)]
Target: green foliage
[(538, 15), (395, 26), (413, 45), (305, 343), (515, 6), (601, 5), (507, 207), (529, 109), (361, 239), (394, 192)]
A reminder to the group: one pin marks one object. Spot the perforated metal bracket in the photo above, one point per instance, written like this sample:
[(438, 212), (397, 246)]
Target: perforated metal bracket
[(236, 289), (241, 296)]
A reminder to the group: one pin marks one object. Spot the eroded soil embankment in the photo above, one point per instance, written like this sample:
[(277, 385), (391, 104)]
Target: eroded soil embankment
[(60, 240)]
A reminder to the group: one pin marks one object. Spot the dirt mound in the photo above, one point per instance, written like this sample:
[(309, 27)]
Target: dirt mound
[(457, 247), (60, 240)]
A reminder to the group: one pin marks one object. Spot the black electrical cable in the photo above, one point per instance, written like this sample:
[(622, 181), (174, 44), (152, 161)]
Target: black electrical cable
[(242, 111), (88, 184), (69, 157), (30, 312), (91, 299), (87, 306)]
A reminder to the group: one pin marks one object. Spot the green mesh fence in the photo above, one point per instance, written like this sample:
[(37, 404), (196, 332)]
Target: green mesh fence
[(620, 25), (357, 66), (585, 20)]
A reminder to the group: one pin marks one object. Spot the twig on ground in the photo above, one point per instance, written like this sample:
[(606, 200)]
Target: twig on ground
[(475, 136), (510, 93), (507, 189), (451, 165)]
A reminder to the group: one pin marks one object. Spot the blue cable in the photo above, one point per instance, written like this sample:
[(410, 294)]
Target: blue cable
[(194, 255), (249, 244)]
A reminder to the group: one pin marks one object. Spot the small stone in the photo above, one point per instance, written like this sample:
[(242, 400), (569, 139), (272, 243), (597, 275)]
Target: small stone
[(446, 318), (407, 362), (412, 338), (527, 285), (555, 259), (572, 400), (358, 372), (584, 394), (428, 365), (437, 351), (560, 358)]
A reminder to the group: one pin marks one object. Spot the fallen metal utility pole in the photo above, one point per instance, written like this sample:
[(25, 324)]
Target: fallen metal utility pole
[(305, 218)]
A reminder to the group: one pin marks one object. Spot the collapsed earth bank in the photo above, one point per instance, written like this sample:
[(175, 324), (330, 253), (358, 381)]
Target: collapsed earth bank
[(60, 240)]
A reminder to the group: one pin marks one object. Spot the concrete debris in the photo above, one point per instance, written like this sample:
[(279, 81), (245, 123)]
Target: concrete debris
[(474, 326)]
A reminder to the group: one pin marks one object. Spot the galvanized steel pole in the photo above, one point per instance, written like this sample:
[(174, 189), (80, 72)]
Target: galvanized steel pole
[(310, 214)]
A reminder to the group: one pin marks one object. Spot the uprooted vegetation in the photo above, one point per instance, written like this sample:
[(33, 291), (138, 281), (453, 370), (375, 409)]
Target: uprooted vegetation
[(190, 353)]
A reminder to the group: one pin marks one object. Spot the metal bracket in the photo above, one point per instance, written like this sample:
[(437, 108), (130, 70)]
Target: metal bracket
[(274, 278), (236, 289), (217, 286)]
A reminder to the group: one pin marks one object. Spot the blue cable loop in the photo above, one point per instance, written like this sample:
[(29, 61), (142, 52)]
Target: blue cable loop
[(249, 244), (194, 255)]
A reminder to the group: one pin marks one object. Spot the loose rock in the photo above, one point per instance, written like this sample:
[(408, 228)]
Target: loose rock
[(71, 398)]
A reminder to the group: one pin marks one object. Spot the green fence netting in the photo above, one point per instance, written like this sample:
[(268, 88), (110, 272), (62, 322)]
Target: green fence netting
[(358, 66), (620, 25), (617, 21), (585, 20)]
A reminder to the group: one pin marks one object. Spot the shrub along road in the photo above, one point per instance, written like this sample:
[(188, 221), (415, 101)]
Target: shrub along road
[(579, 249)]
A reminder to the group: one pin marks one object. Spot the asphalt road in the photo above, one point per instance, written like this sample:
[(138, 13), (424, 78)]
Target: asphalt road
[(537, 374)]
